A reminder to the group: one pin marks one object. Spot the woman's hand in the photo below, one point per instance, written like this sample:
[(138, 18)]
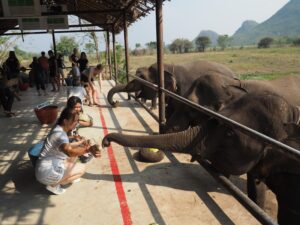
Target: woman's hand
[(95, 150)]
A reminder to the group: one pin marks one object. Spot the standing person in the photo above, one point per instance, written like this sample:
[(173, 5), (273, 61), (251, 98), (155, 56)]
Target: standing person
[(12, 66), (53, 71), (88, 76), (6, 96), (12, 69), (43, 61), (56, 165), (37, 73), (74, 58), (60, 68), (83, 62)]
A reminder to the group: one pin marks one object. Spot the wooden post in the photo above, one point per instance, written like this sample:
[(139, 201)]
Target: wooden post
[(126, 50), (115, 56), (160, 65), (108, 55), (54, 43)]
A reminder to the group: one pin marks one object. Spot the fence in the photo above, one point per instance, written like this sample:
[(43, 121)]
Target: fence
[(256, 211)]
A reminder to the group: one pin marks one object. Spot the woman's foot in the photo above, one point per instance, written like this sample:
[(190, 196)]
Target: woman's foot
[(96, 104), (9, 114), (58, 190)]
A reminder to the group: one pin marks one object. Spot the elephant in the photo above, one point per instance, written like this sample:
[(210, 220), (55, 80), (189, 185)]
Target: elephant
[(215, 92), (233, 152), (178, 79)]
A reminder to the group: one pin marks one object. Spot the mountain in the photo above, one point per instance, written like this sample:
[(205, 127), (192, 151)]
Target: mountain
[(213, 36), (283, 23), (246, 26)]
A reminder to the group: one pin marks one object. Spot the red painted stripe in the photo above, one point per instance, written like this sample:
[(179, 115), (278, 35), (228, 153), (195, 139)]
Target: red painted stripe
[(116, 175)]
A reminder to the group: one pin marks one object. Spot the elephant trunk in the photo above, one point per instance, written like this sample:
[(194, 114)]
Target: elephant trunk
[(112, 91), (180, 142)]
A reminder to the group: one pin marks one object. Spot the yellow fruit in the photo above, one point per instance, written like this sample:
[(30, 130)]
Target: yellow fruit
[(153, 150)]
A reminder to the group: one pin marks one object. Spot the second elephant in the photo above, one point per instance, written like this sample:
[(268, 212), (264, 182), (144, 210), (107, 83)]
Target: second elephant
[(178, 79)]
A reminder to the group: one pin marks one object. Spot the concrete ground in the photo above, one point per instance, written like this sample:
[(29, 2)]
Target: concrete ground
[(117, 188)]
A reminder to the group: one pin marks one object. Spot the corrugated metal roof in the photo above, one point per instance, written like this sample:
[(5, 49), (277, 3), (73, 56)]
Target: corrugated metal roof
[(107, 14)]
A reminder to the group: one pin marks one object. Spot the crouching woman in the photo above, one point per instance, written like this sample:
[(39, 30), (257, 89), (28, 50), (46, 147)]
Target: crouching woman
[(56, 165)]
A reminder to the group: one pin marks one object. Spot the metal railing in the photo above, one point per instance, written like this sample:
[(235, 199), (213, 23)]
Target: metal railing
[(255, 210)]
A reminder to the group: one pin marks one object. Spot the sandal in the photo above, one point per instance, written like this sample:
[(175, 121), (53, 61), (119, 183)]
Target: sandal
[(9, 114)]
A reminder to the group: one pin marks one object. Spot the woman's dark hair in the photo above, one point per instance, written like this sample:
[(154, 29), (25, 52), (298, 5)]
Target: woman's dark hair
[(99, 67), (66, 114), (72, 101)]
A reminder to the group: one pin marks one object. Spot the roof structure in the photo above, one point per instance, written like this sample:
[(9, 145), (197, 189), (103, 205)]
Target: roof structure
[(106, 14)]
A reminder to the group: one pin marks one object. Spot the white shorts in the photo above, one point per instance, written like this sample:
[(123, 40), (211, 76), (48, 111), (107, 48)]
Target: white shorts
[(49, 171)]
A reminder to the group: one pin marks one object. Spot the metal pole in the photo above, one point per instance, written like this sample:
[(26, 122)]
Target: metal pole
[(108, 55), (126, 50), (115, 56), (54, 43), (160, 65)]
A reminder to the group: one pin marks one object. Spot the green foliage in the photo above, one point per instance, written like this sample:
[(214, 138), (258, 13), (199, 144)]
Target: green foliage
[(151, 45), (137, 45), (202, 43), (66, 45), (120, 64), (6, 43), (181, 46), (23, 54), (265, 42), (89, 48), (3, 40), (223, 41), (296, 42)]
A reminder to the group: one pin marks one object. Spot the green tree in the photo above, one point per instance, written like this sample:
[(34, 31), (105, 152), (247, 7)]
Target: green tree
[(89, 48), (6, 43), (265, 42), (151, 45), (296, 42), (223, 41), (181, 45), (137, 45), (187, 45), (202, 42), (120, 61), (175, 46), (66, 45)]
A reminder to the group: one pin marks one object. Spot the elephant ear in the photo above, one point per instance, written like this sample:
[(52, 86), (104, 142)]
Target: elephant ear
[(170, 82), (292, 130), (234, 91)]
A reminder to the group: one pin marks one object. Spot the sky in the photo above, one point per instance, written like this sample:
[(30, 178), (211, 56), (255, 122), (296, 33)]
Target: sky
[(181, 19)]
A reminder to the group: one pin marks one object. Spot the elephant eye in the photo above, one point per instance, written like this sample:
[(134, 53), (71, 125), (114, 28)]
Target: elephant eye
[(229, 133)]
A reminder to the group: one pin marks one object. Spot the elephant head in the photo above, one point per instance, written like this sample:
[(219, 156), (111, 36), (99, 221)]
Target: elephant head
[(213, 91), (281, 173), (149, 74)]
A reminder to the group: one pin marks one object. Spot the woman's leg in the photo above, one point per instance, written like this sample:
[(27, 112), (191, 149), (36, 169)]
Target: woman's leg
[(10, 99), (72, 172), (93, 90)]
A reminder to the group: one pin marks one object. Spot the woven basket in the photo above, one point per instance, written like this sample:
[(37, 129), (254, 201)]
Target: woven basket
[(47, 115)]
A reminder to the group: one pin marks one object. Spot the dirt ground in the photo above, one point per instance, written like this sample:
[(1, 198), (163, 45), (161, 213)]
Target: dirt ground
[(117, 188)]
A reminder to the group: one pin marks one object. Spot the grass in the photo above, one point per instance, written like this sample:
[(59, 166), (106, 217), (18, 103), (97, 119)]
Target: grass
[(247, 63)]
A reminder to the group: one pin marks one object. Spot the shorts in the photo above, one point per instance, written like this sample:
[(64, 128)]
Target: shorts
[(53, 73), (84, 78), (49, 171)]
